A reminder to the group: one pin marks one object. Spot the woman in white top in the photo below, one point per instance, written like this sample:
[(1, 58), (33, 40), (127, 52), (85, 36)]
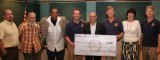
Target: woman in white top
[(131, 38)]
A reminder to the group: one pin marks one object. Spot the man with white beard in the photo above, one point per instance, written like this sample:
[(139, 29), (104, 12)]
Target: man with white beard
[(29, 35)]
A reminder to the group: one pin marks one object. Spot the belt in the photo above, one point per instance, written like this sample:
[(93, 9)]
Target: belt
[(11, 48)]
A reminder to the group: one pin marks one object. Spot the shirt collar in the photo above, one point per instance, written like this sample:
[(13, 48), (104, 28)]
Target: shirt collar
[(8, 22), (49, 19), (109, 22), (58, 18), (150, 21), (80, 22), (94, 24)]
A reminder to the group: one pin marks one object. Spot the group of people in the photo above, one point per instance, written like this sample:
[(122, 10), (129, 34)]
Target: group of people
[(54, 32)]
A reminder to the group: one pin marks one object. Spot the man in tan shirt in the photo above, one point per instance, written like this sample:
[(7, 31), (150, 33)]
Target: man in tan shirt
[(53, 28), (8, 37)]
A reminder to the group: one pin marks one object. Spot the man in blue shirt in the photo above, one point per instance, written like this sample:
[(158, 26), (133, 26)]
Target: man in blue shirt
[(72, 28), (114, 27), (151, 35)]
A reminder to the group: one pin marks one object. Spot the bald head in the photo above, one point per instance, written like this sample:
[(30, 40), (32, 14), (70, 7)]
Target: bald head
[(93, 14), (93, 17)]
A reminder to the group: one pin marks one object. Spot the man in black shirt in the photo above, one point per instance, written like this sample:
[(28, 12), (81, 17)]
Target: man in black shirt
[(93, 28), (151, 35)]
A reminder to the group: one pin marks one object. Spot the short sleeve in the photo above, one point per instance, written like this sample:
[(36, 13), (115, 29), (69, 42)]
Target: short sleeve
[(158, 27), (141, 24), (1, 31), (67, 30), (20, 28), (121, 26)]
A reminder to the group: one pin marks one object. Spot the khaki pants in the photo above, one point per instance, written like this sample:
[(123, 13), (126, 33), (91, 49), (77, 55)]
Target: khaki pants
[(71, 55), (119, 52), (149, 53)]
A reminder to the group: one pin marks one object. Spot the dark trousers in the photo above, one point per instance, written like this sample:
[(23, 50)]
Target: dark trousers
[(93, 57), (12, 54), (32, 56), (55, 55)]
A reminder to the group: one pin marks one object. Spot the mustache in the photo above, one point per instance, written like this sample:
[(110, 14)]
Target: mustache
[(11, 18), (77, 16), (32, 20)]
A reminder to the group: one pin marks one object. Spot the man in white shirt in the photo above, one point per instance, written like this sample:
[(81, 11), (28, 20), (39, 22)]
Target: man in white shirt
[(8, 37), (53, 29), (93, 28)]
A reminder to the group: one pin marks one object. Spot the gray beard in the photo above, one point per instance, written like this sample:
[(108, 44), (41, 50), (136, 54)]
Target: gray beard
[(31, 23)]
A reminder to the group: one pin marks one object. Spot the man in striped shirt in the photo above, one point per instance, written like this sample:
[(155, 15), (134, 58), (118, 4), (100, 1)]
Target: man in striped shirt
[(29, 34)]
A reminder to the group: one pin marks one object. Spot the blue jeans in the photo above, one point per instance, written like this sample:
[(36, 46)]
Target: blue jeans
[(55, 55)]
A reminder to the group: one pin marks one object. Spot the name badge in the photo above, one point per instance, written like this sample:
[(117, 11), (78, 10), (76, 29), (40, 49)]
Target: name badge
[(116, 24), (153, 24), (81, 25)]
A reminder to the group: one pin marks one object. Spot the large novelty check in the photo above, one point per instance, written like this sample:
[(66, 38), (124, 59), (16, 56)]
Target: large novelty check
[(95, 45)]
